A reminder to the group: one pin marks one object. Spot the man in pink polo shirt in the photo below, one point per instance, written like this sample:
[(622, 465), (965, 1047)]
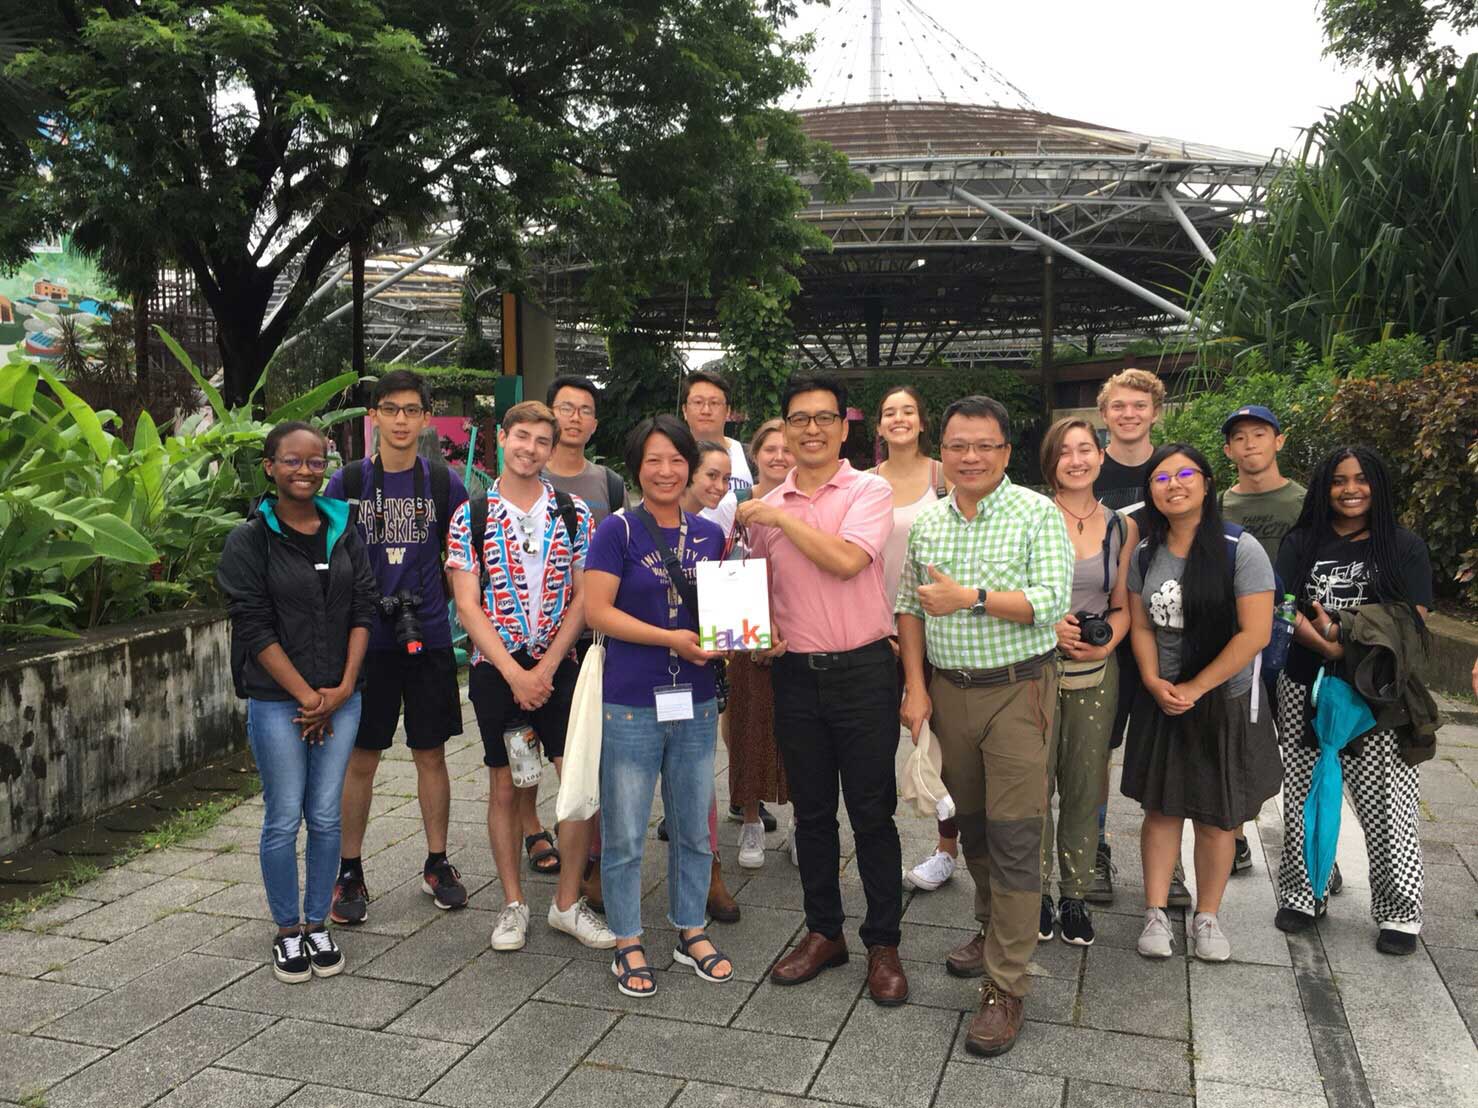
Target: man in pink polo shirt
[(836, 684)]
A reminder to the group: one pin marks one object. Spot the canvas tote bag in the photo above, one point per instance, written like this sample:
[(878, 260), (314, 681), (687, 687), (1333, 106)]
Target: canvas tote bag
[(579, 787)]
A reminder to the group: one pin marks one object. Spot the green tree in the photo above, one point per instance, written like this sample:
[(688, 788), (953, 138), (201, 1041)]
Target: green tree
[(256, 138), (1394, 34)]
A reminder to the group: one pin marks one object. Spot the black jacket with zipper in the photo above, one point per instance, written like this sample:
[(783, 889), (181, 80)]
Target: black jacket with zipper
[(274, 596)]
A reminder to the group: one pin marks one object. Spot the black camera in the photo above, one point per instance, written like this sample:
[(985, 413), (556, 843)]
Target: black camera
[(402, 609), (1094, 630)]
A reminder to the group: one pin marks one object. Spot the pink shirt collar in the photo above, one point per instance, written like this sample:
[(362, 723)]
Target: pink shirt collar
[(843, 477)]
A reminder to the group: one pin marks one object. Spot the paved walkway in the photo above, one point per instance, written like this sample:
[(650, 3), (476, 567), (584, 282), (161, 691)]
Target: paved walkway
[(149, 987)]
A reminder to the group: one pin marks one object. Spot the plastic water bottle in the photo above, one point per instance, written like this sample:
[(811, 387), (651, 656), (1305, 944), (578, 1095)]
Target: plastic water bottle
[(523, 752), (1275, 656)]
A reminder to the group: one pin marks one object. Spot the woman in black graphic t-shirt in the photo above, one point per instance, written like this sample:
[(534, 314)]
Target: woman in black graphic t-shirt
[(1346, 550)]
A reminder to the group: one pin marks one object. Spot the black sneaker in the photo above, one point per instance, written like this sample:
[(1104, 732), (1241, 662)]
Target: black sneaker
[(1180, 896), (1242, 860), (444, 885), (1044, 928), (1074, 922), (1400, 943), (1102, 889), (1292, 920), (351, 901), (290, 961), (323, 952), (736, 814), (1336, 881)]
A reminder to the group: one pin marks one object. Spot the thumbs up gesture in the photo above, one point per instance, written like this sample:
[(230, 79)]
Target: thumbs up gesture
[(942, 595)]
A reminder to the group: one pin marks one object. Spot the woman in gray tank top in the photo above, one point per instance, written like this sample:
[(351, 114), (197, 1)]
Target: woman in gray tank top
[(1077, 757)]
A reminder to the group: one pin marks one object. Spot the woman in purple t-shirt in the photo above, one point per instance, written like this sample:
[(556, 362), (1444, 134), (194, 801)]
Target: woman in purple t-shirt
[(660, 715)]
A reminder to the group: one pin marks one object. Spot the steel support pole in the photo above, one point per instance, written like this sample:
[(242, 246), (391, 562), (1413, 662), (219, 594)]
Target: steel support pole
[(1186, 225), (444, 346), (1049, 323), (395, 334), (1072, 255), (407, 350)]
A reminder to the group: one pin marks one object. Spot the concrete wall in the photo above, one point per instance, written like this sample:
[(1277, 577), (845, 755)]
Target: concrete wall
[(1454, 646), (88, 724)]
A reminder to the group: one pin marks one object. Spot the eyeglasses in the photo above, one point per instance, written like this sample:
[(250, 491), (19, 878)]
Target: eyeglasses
[(708, 405), (984, 449), (411, 411), (1183, 476), (800, 420), (567, 409), (294, 463)]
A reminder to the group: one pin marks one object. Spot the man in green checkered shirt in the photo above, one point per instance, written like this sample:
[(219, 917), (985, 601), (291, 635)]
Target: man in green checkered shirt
[(988, 574)]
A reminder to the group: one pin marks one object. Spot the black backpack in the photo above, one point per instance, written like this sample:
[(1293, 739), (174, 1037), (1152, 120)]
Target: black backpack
[(441, 491), (477, 521)]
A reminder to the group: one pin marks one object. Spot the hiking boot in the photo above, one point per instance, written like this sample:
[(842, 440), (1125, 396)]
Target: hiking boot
[(1209, 940), (968, 959), (1102, 889), (324, 953), (291, 962), (721, 904), (1074, 922), (1180, 896), (932, 872), (1048, 918), (1242, 860), (994, 1027), (351, 901), (1156, 941), (444, 885)]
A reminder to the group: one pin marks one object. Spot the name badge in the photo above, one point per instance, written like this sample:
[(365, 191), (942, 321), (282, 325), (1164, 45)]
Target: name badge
[(674, 702)]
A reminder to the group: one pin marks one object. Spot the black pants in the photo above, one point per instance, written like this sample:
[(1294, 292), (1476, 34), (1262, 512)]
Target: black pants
[(842, 725)]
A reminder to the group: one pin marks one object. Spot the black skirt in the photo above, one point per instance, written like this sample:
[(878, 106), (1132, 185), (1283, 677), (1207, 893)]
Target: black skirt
[(1216, 768)]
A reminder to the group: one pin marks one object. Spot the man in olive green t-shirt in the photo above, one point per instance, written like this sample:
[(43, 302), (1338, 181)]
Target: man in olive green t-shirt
[(1263, 501)]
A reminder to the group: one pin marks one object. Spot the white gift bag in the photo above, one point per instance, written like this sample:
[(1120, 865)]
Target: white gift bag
[(579, 786)]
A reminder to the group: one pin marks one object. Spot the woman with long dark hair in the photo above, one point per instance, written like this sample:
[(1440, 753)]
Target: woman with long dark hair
[(1200, 745), (1347, 550)]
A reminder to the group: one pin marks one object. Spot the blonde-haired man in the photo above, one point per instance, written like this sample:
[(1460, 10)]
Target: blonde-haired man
[(1131, 403)]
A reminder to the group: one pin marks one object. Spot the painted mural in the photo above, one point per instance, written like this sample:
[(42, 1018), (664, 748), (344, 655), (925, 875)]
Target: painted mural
[(57, 282)]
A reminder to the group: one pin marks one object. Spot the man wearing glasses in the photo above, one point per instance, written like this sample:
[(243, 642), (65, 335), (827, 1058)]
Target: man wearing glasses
[(705, 404), (988, 574), (836, 684), (403, 504)]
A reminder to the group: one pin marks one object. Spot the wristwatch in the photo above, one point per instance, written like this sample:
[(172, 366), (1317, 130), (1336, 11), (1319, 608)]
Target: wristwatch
[(979, 606)]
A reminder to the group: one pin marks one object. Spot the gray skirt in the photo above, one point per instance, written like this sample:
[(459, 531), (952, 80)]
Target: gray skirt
[(1214, 767)]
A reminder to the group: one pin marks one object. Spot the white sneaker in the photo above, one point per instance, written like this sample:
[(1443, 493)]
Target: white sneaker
[(1156, 941), (512, 929), (580, 920), (790, 844), (1211, 941), (932, 872), (752, 846)]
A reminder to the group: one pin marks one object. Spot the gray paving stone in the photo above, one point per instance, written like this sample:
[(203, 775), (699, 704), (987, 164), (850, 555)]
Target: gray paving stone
[(148, 1000), (699, 1094), (26, 1004), (815, 1010), (247, 900), (1450, 931), (225, 836), (950, 905), (365, 1061), (170, 860), (139, 909), (1449, 890), (1258, 1035), (235, 866), (28, 1066), (346, 1000), (400, 911), (748, 1059), (64, 910), (117, 963), (502, 1060), (155, 1063), (600, 1087), (680, 993), (1466, 1000), (27, 954), (115, 884), (863, 1068), (250, 941), (1090, 1094), (218, 1088), (1124, 992), (930, 944), (1220, 1094), (436, 951), (1458, 967), (320, 1096), (474, 1001), (1087, 1054), (1412, 1040), (974, 1087)]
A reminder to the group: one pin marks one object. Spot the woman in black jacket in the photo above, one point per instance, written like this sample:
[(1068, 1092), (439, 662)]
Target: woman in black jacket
[(302, 599)]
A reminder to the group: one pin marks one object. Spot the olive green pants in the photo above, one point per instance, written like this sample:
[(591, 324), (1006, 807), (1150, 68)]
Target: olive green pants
[(993, 745), (1077, 758)]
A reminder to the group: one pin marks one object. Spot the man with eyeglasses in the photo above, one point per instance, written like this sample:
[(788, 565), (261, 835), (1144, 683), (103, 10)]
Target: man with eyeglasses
[(705, 403), (988, 575), (836, 683), (403, 504)]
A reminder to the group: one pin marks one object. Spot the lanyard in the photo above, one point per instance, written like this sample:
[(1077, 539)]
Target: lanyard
[(422, 529), (670, 563)]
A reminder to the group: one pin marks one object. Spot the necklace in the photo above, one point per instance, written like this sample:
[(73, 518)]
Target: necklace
[(1097, 506)]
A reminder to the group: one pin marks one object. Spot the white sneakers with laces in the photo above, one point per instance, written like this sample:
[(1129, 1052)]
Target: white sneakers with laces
[(932, 872), (752, 846), (1211, 942), (512, 929), (579, 921), (1156, 941)]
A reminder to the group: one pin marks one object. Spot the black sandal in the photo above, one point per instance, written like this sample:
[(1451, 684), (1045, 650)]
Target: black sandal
[(703, 967), (621, 967), (537, 856)]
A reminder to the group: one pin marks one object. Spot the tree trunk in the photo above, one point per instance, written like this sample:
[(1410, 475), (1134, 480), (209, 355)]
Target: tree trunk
[(141, 340)]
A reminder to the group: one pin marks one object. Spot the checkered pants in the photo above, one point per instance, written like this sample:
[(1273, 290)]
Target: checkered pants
[(1383, 790)]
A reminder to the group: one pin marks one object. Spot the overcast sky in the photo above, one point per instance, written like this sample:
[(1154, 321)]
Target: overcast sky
[(1245, 74)]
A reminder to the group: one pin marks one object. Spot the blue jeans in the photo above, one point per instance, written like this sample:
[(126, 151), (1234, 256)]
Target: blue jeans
[(634, 749), (300, 781)]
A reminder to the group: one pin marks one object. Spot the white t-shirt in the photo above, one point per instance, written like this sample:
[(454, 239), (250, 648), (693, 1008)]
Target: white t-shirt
[(530, 527), (739, 478)]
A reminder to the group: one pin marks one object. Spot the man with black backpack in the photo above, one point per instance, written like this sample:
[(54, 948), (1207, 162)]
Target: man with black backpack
[(517, 564), (402, 504)]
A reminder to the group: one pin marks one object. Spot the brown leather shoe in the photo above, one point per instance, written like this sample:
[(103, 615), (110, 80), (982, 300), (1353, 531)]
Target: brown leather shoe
[(815, 954), (721, 905), (993, 1029), (886, 981), (590, 886), (968, 960)]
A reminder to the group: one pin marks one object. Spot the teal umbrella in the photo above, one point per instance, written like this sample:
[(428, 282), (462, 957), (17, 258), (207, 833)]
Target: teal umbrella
[(1340, 715)]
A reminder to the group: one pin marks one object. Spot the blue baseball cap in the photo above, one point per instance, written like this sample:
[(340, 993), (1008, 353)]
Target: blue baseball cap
[(1251, 411)]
